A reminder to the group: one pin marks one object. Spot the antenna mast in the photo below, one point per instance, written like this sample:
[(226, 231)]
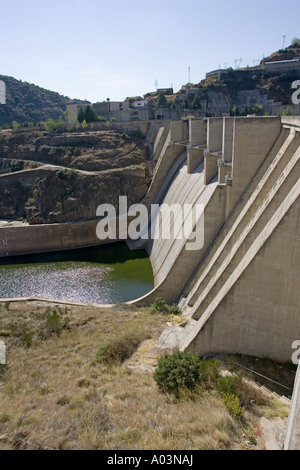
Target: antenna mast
[(283, 44)]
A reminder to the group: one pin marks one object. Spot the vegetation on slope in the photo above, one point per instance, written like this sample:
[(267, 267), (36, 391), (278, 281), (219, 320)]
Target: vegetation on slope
[(64, 386), (26, 102)]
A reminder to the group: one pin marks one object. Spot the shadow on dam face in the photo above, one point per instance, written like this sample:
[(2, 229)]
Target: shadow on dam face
[(103, 274)]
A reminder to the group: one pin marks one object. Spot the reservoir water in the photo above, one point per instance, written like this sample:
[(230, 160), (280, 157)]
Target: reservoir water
[(103, 275)]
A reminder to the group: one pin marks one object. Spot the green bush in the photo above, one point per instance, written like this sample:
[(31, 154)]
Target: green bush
[(232, 403), (160, 306), (181, 370), (174, 310), (54, 125), (230, 384), (66, 174)]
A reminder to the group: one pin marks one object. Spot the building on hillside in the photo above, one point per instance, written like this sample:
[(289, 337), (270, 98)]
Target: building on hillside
[(272, 67), (72, 112), (283, 66)]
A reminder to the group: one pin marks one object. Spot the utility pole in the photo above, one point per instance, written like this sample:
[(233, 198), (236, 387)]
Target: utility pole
[(238, 63), (283, 44)]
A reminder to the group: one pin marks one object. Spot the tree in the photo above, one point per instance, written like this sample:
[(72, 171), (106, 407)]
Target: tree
[(161, 100), (231, 73), (296, 42), (54, 125), (196, 102), (173, 105), (257, 109), (15, 125), (185, 103), (69, 116), (80, 115), (287, 112), (90, 114), (234, 111)]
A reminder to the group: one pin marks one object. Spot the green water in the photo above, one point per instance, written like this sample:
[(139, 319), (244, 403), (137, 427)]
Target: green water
[(102, 275)]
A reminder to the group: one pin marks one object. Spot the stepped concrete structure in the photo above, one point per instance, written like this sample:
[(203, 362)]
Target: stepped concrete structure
[(238, 290)]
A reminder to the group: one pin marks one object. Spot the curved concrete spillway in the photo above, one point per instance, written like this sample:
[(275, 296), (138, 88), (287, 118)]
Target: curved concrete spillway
[(181, 190)]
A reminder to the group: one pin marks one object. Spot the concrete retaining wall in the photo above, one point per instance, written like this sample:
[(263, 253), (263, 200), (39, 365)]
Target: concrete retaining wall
[(46, 238)]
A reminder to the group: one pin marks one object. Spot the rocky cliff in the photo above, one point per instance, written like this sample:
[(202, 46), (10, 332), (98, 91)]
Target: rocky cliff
[(59, 178)]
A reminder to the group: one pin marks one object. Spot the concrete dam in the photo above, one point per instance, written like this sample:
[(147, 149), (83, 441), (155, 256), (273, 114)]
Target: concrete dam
[(239, 290), (238, 284), (234, 270)]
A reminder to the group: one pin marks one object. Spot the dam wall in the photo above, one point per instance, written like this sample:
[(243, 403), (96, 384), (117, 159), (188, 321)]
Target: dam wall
[(29, 239), (238, 291), (244, 296)]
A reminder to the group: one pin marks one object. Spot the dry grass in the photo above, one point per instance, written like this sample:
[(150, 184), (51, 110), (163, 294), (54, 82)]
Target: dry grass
[(54, 395)]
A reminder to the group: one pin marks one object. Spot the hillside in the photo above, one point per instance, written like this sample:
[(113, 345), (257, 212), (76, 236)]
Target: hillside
[(244, 88), (285, 54), (58, 392), (26, 102), (58, 178)]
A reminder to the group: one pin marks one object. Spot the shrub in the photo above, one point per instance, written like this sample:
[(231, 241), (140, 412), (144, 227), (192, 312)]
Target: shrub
[(232, 403), (27, 339), (117, 351), (30, 201), (16, 165), (160, 306), (66, 174), (287, 112), (53, 325), (209, 372), (174, 310), (178, 371), (54, 125), (229, 384)]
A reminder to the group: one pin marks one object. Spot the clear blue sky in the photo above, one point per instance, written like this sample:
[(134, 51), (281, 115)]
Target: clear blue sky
[(98, 49)]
